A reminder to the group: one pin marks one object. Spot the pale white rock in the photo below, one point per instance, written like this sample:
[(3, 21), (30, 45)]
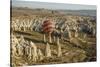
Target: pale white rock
[(48, 50), (40, 55), (34, 52)]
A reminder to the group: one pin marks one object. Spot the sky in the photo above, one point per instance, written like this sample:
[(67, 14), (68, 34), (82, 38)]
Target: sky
[(54, 6)]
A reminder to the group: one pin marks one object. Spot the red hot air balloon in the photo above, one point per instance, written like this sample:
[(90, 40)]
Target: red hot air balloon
[(48, 27)]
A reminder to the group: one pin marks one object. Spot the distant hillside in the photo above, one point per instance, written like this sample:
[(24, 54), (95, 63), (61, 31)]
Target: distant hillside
[(80, 12), (27, 10)]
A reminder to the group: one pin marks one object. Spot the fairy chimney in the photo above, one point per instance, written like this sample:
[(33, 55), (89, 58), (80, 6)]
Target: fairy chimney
[(40, 55), (48, 50), (59, 48), (34, 51)]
